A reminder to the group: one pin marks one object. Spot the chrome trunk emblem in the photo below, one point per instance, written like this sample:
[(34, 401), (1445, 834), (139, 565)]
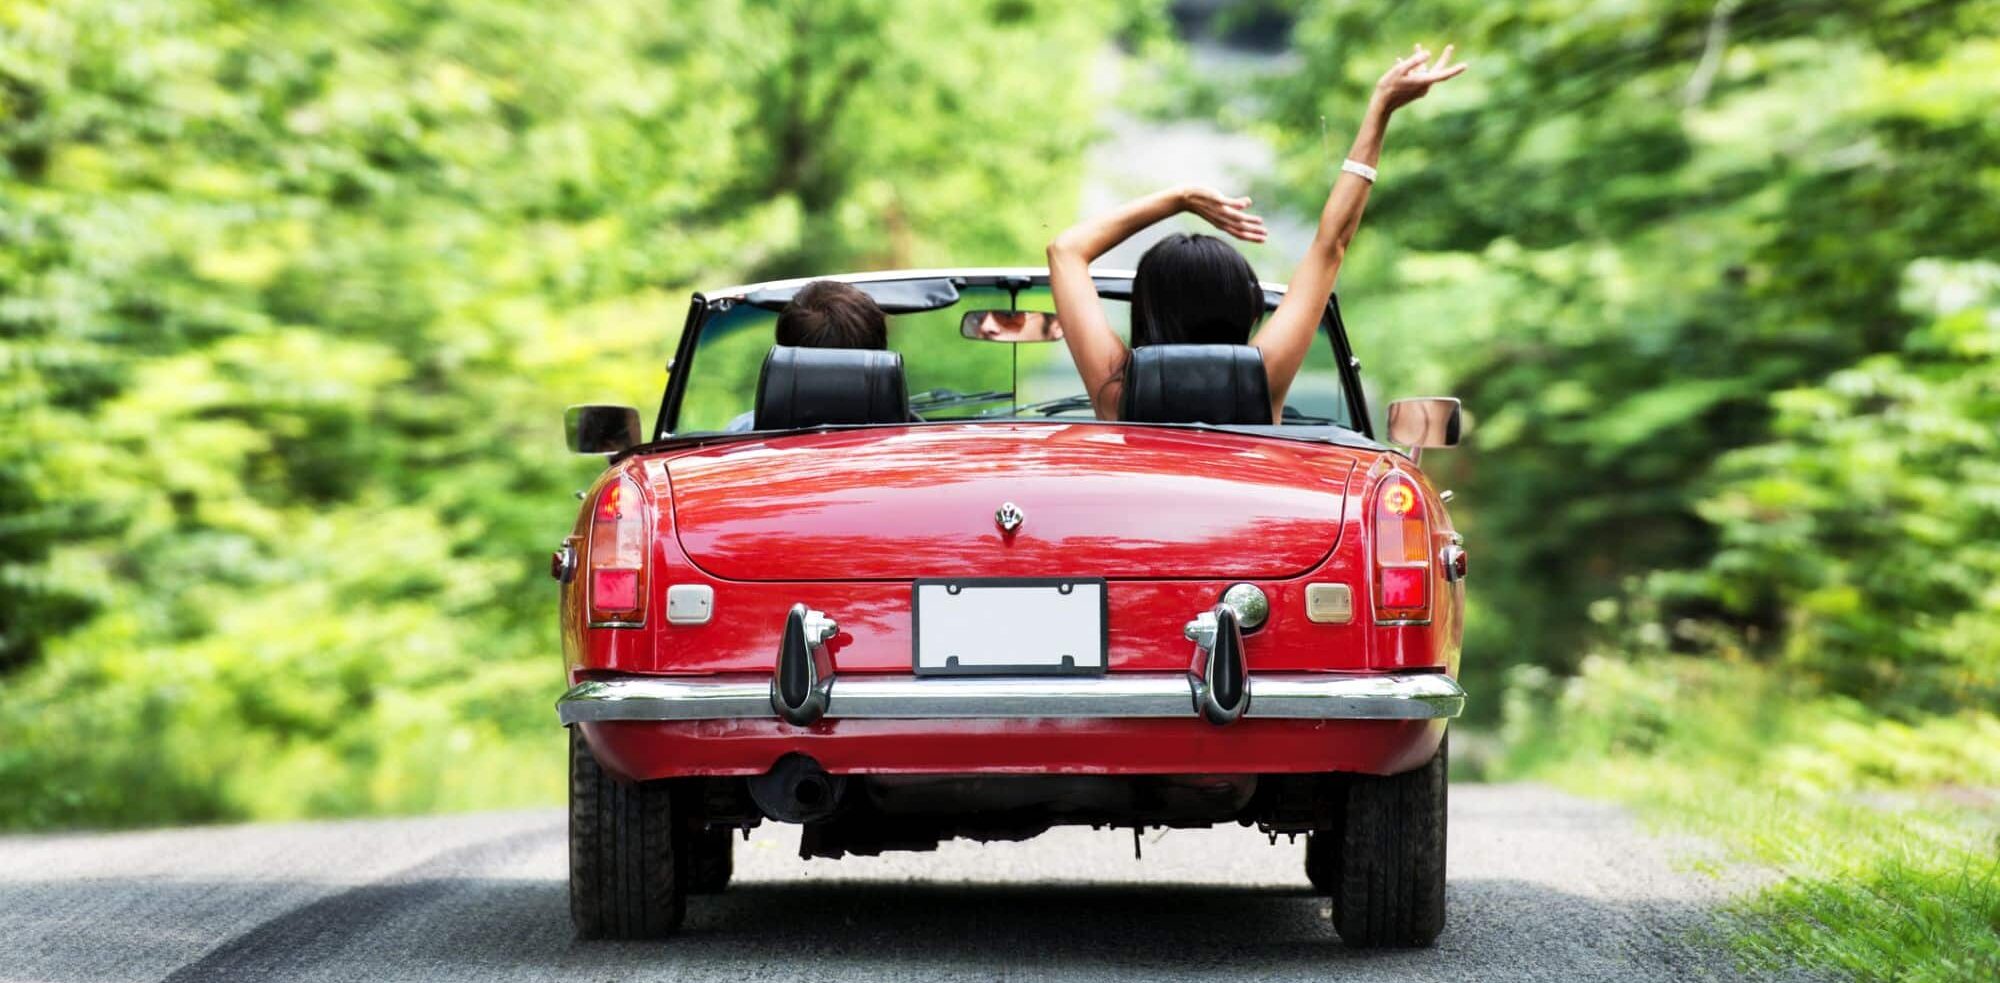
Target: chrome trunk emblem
[(1010, 517)]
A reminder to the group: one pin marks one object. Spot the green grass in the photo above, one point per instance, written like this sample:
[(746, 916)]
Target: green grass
[(1881, 837)]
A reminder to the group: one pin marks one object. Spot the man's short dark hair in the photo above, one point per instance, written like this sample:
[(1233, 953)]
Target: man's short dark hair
[(828, 314)]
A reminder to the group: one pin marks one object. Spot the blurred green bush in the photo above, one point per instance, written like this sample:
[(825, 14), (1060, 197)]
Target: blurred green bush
[(1717, 283), (291, 298)]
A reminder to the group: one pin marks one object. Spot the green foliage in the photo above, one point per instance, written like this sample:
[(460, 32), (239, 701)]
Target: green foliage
[(291, 298), (1636, 237), (1716, 283), (1871, 520), (1877, 838)]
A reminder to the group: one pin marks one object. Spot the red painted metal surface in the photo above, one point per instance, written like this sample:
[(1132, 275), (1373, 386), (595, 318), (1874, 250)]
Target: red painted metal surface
[(1101, 501), (814, 510), (645, 751)]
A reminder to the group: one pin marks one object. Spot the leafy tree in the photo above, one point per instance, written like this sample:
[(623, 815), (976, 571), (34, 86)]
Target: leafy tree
[(1626, 230), (291, 297), (1871, 519)]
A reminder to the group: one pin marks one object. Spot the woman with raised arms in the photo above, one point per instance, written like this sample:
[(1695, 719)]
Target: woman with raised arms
[(1197, 288)]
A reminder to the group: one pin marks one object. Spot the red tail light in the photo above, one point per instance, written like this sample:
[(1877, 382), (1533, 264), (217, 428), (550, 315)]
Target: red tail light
[(1402, 551), (617, 557)]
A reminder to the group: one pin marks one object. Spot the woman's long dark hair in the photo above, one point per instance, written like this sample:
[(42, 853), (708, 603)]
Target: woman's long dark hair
[(1194, 289)]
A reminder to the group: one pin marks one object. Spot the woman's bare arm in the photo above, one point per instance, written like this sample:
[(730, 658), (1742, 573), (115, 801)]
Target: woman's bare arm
[(1288, 335), (1096, 349)]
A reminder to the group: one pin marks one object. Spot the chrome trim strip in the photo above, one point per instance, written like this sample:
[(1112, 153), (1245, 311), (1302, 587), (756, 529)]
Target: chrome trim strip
[(1403, 696), (1293, 696), (959, 697), (740, 291), (666, 698)]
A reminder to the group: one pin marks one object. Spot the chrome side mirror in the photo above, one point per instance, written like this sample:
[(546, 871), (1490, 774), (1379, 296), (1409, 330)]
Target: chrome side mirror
[(598, 428), (1425, 421)]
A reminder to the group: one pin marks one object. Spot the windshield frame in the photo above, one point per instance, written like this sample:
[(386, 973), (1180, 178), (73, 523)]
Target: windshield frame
[(1111, 284)]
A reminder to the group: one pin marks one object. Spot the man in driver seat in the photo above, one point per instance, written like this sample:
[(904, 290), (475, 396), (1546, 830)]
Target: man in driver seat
[(830, 314), (826, 314)]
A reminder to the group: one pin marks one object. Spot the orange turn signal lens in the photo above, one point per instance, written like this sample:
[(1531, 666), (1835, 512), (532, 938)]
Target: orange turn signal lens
[(609, 508), (1399, 499)]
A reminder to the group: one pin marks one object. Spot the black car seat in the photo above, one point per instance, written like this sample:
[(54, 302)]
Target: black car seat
[(1215, 384), (811, 387)]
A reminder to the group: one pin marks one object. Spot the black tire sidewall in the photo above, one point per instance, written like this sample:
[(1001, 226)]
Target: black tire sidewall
[(1391, 884)]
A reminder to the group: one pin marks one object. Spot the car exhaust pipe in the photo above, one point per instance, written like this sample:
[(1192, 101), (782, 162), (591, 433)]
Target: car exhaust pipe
[(797, 790)]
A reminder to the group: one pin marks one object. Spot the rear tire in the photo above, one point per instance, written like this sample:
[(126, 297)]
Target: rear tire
[(622, 883), (709, 857), (1323, 862), (1391, 868)]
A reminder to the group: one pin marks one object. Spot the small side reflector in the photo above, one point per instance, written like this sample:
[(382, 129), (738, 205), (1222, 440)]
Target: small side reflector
[(1329, 604), (690, 604)]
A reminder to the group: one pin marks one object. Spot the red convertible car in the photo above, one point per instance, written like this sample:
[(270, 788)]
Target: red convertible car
[(910, 595)]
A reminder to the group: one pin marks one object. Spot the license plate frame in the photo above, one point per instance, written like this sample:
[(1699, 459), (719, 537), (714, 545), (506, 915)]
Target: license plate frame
[(983, 618)]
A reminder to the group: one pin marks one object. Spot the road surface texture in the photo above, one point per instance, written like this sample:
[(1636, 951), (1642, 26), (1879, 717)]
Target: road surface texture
[(1543, 886)]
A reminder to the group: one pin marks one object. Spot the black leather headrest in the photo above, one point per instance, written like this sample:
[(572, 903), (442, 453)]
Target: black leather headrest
[(810, 387), (1220, 384)]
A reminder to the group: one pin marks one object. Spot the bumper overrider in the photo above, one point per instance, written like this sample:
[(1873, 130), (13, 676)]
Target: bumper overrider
[(803, 688)]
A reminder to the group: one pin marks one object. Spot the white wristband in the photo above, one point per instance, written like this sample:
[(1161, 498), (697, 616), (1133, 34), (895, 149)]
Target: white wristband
[(1358, 169)]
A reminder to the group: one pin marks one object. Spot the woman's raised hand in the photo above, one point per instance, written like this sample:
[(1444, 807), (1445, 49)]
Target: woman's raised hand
[(1411, 78), (1228, 214)]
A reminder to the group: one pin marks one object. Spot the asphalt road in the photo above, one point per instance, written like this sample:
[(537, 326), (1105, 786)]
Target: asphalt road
[(1543, 886)]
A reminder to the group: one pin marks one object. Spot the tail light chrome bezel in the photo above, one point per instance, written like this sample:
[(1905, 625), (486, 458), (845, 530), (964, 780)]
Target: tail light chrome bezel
[(620, 522), (1398, 498)]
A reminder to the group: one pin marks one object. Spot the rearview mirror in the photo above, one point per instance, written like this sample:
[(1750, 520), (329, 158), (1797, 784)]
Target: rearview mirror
[(599, 428), (1425, 421), (1010, 326)]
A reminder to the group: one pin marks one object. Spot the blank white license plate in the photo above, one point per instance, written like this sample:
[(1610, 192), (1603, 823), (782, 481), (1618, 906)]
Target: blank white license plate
[(978, 626)]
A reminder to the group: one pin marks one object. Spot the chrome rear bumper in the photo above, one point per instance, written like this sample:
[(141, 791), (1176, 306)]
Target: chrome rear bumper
[(1294, 696)]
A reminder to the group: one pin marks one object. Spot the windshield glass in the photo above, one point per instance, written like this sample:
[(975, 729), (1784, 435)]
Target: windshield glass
[(952, 377)]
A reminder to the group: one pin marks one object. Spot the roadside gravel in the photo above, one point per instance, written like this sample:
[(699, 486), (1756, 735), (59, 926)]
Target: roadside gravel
[(1543, 886)]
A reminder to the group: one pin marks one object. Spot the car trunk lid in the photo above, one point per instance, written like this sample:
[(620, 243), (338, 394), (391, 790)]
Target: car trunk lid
[(1095, 500)]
